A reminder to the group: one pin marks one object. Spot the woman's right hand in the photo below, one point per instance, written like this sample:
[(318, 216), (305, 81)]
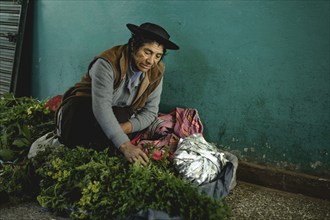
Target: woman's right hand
[(133, 153)]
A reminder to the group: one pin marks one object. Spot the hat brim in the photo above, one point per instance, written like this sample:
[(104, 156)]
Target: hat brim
[(140, 31)]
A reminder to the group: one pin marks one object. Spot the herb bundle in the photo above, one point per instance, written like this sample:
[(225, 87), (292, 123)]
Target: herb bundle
[(87, 184), (22, 120)]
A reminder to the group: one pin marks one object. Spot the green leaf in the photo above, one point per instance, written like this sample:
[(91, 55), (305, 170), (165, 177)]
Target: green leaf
[(26, 132), (3, 140), (7, 154), (23, 142), (8, 95)]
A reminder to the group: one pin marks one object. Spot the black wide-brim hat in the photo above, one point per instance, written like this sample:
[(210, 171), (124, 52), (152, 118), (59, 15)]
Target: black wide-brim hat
[(154, 32)]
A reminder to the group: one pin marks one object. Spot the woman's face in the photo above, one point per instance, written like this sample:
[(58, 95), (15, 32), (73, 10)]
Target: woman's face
[(148, 55)]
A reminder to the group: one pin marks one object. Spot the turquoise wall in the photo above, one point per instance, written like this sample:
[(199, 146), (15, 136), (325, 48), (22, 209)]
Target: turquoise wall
[(257, 71)]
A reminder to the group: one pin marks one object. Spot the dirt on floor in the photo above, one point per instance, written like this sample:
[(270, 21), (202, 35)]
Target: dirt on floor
[(246, 200)]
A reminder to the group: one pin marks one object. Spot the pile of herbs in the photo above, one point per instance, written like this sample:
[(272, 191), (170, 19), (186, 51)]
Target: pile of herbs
[(22, 120), (87, 184)]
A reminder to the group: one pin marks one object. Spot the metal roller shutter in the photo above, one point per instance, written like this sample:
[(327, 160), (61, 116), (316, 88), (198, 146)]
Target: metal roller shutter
[(12, 22)]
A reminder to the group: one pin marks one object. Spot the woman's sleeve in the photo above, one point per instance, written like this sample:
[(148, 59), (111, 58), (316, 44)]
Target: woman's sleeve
[(149, 112), (102, 76)]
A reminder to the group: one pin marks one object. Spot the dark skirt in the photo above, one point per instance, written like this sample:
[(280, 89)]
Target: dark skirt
[(78, 126)]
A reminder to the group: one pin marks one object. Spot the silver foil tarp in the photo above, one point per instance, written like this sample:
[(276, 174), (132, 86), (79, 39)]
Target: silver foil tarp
[(197, 160)]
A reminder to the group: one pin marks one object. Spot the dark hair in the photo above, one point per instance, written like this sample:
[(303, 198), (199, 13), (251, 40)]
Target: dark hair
[(137, 41)]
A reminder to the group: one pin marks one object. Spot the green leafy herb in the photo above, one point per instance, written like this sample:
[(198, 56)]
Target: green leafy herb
[(93, 185), (22, 120)]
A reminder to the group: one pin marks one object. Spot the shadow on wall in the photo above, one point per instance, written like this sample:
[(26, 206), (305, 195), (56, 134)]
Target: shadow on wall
[(188, 87)]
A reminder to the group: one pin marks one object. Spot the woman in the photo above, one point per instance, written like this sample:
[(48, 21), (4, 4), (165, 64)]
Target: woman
[(119, 95)]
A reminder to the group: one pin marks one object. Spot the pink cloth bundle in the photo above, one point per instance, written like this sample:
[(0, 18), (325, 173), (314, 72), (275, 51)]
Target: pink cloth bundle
[(167, 130)]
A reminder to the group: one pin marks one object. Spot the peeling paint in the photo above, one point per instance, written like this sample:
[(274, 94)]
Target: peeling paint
[(316, 165), (267, 145)]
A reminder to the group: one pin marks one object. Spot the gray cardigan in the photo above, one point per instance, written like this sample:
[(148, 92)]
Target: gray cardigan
[(104, 97)]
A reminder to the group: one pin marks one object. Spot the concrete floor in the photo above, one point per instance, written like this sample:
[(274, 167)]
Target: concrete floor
[(247, 201), (255, 202)]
